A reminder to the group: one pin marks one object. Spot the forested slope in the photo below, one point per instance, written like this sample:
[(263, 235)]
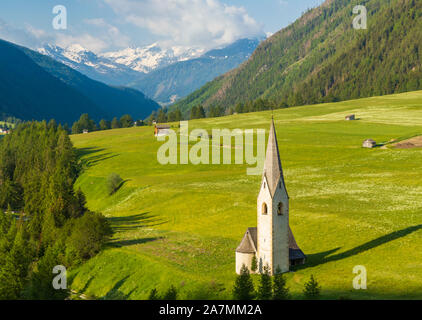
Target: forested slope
[(322, 58)]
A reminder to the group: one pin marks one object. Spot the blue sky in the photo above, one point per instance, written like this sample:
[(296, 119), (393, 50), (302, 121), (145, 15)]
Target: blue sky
[(104, 25)]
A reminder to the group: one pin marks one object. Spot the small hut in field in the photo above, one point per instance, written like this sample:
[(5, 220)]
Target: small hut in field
[(369, 143), (350, 117), (85, 131), (161, 130)]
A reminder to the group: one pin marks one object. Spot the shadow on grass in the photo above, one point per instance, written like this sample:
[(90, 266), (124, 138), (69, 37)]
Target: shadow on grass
[(81, 152), (134, 222), (120, 186), (86, 286), (89, 159), (132, 242), (314, 260), (116, 294)]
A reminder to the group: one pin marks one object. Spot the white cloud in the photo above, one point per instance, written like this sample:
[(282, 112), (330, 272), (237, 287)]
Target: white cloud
[(104, 37), (192, 23), (109, 33), (89, 42), (37, 33), (28, 36)]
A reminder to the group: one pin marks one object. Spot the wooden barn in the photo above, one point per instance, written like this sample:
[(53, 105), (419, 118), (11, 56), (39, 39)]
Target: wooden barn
[(161, 130), (369, 143)]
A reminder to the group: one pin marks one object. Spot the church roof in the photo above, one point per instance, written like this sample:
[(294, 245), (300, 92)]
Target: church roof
[(292, 241), (162, 127), (294, 251), (248, 243), (272, 166)]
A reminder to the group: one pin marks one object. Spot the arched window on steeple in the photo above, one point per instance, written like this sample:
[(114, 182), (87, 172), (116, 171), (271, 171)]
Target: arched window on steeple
[(280, 209), (264, 208)]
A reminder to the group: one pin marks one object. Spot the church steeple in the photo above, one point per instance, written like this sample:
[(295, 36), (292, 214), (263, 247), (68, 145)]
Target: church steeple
[(272, 166), (272, 242)]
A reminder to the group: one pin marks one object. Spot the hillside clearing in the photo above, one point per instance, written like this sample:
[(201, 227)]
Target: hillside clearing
[(415, 142)]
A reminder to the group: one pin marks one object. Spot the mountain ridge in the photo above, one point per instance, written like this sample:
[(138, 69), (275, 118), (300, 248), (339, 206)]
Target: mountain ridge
[(94, 66), (178, 80), (165, 75)]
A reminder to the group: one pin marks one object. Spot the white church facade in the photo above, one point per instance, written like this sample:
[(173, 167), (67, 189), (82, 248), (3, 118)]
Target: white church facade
[(272, 242)]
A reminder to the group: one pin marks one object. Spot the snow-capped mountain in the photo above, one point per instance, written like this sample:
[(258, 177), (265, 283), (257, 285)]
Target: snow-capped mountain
[(119, 67), (168, 84), (152, 57), (96, 67)]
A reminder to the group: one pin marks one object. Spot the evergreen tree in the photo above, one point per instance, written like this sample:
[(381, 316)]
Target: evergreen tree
[(88, 234), (126, 121), (201, 112), (194, 113), (254, 264), (105, 125), (280, 290), (11, 195), (265, 289), (38, 169), (171, 294), (153, 295), (162, 116), (84, 123), (312, 289), (49, 230), (41, 286), (174, 116), (79, 207), (14, 270), (5, 222), (115, 124), (152, 117), (243, 288), (178, 116)]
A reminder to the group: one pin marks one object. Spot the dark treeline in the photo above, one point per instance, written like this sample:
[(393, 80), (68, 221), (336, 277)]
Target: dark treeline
[(86, 123), (163, 115), (43, 221), (10, 120), (269, 288), (200, 112)]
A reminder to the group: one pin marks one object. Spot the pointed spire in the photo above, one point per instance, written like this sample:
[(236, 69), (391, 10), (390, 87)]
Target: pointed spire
[(272, 166)]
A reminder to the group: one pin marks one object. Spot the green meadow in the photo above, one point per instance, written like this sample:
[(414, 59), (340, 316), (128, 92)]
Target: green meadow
[(180, 224)]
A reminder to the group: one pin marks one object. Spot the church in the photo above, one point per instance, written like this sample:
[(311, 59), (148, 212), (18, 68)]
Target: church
[(272, 242)]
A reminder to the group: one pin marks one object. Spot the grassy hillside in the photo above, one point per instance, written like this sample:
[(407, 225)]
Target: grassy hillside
[(181, 224), (322, 58)]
